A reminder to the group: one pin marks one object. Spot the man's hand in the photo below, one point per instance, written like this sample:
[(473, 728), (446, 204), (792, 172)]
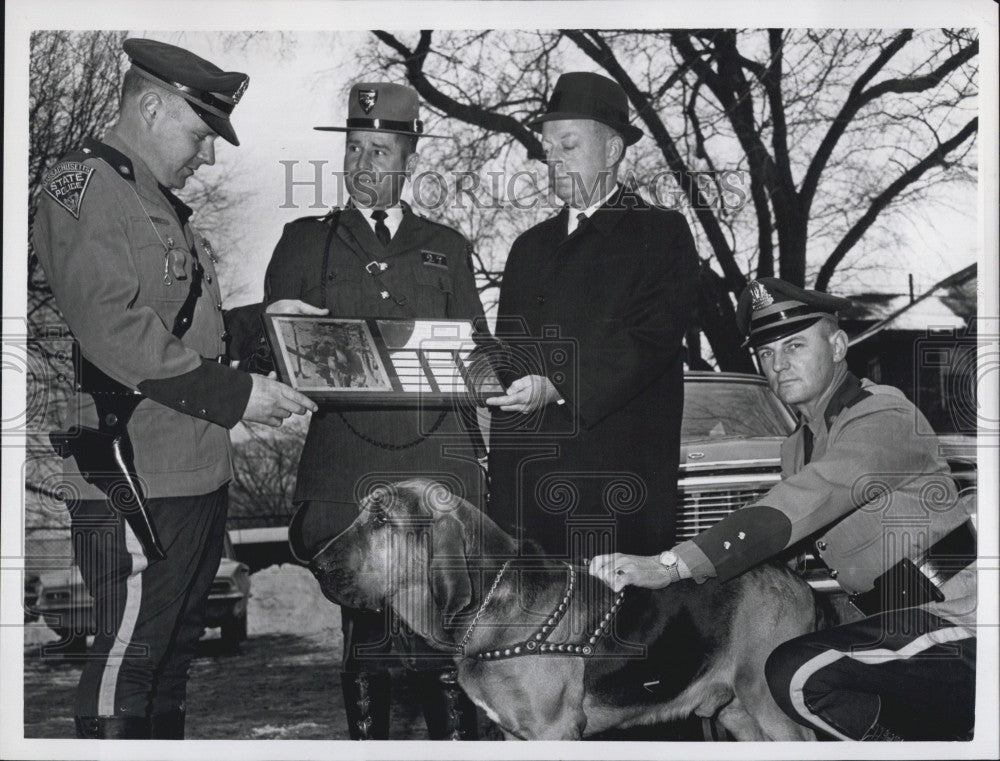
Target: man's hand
[(294, 306), (271, 401), (527, 394), (653, 572)]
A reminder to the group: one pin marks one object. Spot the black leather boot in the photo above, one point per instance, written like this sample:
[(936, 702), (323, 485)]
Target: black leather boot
[(112, 727), (168, 725), (366, 701), (449, 713)]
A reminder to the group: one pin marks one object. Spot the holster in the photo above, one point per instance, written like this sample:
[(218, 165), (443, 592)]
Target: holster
[(905, 585), (105, 456)]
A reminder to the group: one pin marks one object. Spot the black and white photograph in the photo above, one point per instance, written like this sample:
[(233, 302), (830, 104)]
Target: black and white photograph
[(585, 379), (328, 355)]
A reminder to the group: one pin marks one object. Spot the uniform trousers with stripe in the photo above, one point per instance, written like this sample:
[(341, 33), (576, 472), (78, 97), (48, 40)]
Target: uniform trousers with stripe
[(906, 670), (150, 616)]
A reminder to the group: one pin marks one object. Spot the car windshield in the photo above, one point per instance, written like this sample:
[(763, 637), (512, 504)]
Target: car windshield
[(721, 410)]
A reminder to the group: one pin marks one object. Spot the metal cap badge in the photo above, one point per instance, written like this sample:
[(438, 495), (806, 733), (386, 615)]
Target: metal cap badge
[(382, 107)]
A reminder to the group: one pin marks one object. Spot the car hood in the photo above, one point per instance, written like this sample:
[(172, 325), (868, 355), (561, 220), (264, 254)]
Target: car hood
[(731, 452)]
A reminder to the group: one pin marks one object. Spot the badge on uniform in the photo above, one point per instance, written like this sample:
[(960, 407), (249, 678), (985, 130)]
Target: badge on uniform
[(174, 263), (433, 259), (66, 182), (367, 100)]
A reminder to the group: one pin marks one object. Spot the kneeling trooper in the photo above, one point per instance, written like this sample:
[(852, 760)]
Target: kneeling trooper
[(879, 501)]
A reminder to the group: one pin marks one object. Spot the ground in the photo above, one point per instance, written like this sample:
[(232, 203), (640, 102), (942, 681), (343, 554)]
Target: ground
[(283, 682)]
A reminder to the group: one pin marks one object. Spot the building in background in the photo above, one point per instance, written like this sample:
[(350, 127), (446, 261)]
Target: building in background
[(923, 344)]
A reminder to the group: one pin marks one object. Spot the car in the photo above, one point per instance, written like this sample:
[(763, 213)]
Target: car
[(731, 435), (67, 608)]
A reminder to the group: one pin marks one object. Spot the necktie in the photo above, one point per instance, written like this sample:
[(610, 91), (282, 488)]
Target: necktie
[(581, 218), (381, 230)]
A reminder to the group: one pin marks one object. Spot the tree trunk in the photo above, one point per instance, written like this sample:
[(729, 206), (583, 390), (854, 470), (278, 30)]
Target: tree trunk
[(717, 319)]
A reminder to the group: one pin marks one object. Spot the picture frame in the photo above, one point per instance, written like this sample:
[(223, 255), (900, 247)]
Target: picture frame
[(381, 362)]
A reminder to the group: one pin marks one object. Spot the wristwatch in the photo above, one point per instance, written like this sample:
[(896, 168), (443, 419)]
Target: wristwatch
[(669, 561)]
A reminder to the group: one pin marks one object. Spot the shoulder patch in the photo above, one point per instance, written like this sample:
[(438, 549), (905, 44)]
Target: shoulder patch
[(66, 182)]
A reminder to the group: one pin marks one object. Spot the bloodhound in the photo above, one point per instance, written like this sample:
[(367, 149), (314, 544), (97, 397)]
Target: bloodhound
[(550, 652)]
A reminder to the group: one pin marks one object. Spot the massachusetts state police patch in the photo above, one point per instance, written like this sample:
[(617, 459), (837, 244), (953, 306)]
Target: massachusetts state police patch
[(66, 183)]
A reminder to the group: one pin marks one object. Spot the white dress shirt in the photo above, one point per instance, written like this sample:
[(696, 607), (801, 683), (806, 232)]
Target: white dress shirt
[(393, 219), (574, 222)]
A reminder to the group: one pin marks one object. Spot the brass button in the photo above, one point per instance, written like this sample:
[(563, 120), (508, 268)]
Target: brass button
[(821, 545), (540, 299), (833, 573), (208, 279)]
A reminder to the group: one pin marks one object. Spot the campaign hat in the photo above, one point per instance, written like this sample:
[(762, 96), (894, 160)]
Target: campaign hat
[(211, 92), (382, 107), (585, 95), (770, 309)]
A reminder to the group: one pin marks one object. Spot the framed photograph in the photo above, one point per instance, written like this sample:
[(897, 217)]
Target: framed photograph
[(383, 362)]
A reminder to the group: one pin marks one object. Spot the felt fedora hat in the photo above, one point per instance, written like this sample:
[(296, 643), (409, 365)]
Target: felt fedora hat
[(584, 95)]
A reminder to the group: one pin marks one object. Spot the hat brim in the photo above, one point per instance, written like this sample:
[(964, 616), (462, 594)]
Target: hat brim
[(783, 330), (630, 133), (222, 127), (408, 133)]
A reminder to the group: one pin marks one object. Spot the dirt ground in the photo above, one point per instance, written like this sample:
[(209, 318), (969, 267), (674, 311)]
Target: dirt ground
[(278, 686), (283, 683)]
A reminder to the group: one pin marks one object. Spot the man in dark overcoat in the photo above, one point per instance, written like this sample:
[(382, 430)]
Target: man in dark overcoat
[(378, 259), (594, 304)]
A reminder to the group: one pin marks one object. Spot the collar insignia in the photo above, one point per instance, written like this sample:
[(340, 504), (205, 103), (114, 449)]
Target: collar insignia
[(761, 298)]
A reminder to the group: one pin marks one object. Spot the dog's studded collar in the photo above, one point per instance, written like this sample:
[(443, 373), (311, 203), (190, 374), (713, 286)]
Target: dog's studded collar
[(537, 643)]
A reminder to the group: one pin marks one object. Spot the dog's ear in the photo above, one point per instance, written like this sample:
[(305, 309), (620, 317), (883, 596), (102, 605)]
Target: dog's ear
[(450, 582)]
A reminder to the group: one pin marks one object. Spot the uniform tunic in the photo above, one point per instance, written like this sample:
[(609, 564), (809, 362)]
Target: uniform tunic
[(321, 261), (104, 250), (873, 491)]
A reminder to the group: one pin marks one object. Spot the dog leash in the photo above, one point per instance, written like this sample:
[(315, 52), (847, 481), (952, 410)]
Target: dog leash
[(537, 643), (486, 601)]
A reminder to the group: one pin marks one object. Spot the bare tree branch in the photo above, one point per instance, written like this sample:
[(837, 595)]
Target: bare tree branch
[(934, 158)]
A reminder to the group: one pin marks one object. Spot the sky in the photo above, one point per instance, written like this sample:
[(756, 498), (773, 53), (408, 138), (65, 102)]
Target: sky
[(299, 80), (288, 96)]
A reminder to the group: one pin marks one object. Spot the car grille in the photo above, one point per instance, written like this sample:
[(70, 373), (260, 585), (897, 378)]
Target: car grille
[(706, 500)]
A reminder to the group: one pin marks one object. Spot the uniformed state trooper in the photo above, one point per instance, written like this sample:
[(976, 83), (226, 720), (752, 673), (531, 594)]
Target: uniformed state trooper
[(377, 258), (137, 286), (880, 503)]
